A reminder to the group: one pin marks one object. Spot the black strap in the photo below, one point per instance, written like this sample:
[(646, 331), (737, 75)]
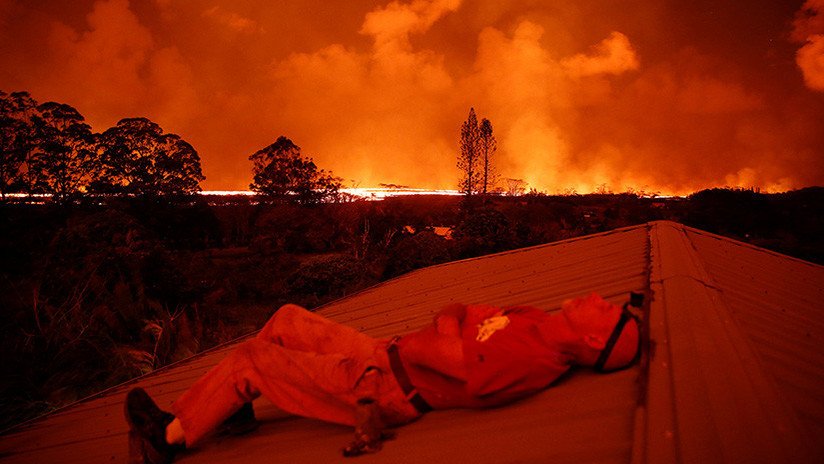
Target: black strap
[(636, 300), (412, 394)]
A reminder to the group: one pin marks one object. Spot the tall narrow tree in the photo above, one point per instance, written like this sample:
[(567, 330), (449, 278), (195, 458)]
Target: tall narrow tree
[(487, 145), (468, 161)]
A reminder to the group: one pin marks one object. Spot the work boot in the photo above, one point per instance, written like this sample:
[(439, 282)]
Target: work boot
[(241, 422), (147, 430)]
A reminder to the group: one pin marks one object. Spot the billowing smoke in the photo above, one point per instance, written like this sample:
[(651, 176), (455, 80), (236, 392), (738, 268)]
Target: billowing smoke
[(614, 55), (115, 64), (582, 95), (537, 99), (809, 30), (232, 20)]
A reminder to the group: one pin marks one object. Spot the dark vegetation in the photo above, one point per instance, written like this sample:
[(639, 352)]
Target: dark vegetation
[(49, 149), (94, 294)]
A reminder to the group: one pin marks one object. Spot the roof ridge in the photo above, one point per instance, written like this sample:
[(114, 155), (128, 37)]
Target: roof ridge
[(697, 272), (698, 342)]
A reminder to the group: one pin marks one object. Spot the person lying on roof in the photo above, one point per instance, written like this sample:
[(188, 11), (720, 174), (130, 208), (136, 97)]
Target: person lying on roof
[(471, 356)]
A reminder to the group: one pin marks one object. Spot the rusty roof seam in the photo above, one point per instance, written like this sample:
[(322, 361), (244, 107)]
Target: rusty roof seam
[(701, 281), (639, 422), (661, 428), (746, 245)]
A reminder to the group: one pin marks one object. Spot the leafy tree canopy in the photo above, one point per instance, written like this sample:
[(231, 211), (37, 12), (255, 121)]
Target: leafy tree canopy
[(283, 174), (138, 158), (15, 138), (62, 156)]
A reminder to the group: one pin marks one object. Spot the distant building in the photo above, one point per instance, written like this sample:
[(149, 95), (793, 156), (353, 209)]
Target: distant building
[(441, 231)]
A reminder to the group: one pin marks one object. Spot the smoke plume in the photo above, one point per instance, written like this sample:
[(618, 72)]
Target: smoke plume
[(583, 96), (809, 30)]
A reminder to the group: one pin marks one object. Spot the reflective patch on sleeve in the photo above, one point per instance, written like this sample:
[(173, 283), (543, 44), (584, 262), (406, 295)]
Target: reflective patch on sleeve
[(490, 326)]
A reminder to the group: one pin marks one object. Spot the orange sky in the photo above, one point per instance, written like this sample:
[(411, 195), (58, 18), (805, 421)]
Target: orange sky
[(657, 95)]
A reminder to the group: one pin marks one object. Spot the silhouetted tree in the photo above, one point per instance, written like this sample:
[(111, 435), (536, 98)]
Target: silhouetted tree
[(284, 175), (63, 153), (16, 134), (515, 187), (487, 146), (137, 158), (468, 159)]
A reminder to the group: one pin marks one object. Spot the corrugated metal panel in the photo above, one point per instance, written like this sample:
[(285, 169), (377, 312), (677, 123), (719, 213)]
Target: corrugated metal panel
[(779, 304), (584, 418), (709, 397), (610, 264)]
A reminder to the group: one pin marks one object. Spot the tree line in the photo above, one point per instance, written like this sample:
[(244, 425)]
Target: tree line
[(48, 148)]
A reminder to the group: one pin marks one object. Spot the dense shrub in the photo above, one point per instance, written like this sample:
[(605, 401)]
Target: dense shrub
[(321, 278), (482, 231), (107, 301), (737, 213), (25, 231), (189, 224), (295, 229), (414, 251)]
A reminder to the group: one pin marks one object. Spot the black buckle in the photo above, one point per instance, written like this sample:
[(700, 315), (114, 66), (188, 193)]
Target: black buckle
[(636, 300)]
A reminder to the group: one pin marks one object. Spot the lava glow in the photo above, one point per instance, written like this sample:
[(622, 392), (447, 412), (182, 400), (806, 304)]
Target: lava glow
[(364, 193), (592, 95)]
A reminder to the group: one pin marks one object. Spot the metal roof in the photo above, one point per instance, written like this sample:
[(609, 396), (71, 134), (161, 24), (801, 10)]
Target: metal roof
[(733, 372)]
